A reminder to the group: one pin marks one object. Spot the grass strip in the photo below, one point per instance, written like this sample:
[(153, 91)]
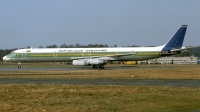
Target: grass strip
[(76, 98)]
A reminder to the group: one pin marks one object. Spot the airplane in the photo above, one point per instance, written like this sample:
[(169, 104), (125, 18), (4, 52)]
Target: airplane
[(98, 57)]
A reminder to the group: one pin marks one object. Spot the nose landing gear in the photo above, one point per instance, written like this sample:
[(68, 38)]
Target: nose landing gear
[(19, 65)]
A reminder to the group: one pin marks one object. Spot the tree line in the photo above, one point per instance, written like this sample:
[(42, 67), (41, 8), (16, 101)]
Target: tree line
[(83, 46)]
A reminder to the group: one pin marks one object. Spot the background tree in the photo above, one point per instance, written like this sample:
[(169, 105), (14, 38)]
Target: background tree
[(52, 46), (41, 46), (63, 46)]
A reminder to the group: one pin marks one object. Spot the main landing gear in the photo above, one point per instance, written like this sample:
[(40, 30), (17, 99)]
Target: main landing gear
[(19, 65), (99, 66)]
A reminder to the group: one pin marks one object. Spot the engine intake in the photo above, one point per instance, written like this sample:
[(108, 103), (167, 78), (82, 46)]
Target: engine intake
[(79, 62), (89, 62), (96, 61)]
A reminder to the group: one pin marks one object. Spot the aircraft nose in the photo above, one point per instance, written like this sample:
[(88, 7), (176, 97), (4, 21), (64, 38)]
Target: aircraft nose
[(4, 58)]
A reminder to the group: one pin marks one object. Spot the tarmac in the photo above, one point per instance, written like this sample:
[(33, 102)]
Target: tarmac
[(134, 82), (71, 67)]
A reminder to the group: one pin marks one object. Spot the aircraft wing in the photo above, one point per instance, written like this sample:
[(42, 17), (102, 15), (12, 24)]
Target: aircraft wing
[(106, 57)]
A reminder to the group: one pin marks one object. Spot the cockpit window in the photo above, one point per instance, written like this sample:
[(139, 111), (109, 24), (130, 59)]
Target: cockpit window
[(12, 52)]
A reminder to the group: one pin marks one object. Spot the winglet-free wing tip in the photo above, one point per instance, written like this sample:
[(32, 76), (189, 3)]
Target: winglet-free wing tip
[(184, 25)]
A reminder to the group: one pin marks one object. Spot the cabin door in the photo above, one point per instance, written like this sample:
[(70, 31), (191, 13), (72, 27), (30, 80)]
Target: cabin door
[(89, 53), (158, 52), (55, 54), (23, 54)]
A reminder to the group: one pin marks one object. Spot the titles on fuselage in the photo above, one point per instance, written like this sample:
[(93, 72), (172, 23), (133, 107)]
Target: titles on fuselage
[(89, 50)]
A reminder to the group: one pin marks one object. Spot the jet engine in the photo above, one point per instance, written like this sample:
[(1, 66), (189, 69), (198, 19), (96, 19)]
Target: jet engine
[(96, 61), (89, 62), (80, 62)]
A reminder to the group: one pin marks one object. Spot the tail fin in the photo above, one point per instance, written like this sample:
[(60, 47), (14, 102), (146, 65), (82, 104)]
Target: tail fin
[(176, 41)]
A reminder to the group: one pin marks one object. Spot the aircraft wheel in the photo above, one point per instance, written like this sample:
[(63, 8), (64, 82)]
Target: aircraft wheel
[(19, 66), (98, 66), (102, 66), (94, 66)]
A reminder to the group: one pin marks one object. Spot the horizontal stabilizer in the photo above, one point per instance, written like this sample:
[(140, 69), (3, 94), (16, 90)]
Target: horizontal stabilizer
[(183, 48)]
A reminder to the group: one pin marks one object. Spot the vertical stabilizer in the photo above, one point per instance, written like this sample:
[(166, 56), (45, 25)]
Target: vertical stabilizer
[(176, 41)]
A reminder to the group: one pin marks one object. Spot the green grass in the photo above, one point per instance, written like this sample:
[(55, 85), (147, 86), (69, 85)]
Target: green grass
[(97, 98), (76, 98)]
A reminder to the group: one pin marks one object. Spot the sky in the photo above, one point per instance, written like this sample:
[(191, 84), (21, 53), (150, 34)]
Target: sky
[(37, 23)]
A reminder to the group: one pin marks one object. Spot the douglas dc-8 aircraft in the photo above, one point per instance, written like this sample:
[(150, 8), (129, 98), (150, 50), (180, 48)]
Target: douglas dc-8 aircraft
[(98, 57)]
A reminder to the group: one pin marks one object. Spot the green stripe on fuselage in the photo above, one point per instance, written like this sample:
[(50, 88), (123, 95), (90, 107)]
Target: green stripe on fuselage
[(81, 54)]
